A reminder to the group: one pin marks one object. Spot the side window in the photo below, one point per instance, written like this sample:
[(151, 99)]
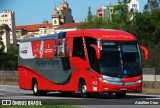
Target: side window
[(61, 48), (78, 48), (92, 53)]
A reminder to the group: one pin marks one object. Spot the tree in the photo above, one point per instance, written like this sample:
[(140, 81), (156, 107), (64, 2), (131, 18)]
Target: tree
[(12, 58), (122, 16), (2, 47), (2, 28), (9, 60), (151, 5), (90, 16), (1, 42)]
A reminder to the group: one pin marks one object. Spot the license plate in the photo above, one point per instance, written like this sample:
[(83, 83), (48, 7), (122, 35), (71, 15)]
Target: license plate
[(123, 89)]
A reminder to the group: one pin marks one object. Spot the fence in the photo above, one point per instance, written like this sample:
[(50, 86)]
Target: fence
[(148, 74), (8, 73)]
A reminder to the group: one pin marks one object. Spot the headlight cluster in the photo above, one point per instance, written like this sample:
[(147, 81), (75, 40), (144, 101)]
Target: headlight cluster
[(139, 81), (118, 82), (103, 80)]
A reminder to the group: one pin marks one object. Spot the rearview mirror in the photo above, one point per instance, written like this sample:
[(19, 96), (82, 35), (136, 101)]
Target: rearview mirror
[(146, 52), (98, 54)]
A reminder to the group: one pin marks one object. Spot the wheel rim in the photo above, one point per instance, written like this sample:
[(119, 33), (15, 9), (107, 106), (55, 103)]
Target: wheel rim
[(84, 89), (35, 88)]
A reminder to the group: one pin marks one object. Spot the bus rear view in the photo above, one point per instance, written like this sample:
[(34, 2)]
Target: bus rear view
[(87, 61)]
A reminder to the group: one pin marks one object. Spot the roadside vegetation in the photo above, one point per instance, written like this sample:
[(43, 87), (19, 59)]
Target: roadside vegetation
[(144, 25), (9, 60)]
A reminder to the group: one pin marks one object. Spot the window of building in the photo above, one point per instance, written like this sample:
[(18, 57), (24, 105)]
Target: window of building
[(100, 15), (2, 16), (6, 15), (55, 21), (134, 6)]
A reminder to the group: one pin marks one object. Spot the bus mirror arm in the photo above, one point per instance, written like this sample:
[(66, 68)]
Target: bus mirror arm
[(97, 50), (146, 52)]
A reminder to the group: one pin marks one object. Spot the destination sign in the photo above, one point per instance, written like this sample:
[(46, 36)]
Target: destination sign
[(109, 43)]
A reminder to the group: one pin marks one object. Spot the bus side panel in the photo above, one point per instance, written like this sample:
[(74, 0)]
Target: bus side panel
[(80, 71), (36, 64), (24, 78)]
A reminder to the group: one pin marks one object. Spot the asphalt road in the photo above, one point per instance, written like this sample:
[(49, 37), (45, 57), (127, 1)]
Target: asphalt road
[(13, 93)]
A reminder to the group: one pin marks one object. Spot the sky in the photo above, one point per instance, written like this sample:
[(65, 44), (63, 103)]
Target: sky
[(35, 11)]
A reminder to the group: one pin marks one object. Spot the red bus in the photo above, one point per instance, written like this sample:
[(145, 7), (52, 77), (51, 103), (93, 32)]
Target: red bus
[(86, 61)]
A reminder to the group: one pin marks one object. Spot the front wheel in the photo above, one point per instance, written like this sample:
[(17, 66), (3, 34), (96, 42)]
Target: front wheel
[(83, 90), (120, 95)]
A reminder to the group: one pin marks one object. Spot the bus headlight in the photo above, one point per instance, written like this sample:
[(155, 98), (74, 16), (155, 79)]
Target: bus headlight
[(139, 81), (102, 80)]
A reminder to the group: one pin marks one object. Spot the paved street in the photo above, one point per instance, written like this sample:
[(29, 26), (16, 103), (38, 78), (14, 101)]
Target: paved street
[(102, 100)]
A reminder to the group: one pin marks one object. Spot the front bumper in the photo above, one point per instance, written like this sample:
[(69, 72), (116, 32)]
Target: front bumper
[(109, 88)]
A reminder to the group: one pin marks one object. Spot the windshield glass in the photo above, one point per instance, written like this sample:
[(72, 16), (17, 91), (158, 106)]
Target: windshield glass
[(120, 59), (130, 56)]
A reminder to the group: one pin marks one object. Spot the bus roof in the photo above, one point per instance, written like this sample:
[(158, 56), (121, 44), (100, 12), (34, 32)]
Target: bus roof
[(46, 37), (100, 34), (103, 34)]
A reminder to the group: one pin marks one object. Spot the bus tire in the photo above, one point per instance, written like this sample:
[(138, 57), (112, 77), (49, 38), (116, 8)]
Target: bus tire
[(120, 95), (35, 88), (83, 90)]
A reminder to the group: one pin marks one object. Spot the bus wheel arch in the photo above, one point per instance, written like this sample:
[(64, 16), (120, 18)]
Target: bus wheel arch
[(83, 88)]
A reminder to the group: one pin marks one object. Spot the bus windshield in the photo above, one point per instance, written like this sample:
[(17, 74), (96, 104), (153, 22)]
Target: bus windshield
[(120, 59)]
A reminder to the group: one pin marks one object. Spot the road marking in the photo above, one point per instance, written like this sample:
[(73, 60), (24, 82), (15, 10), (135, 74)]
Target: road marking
[(154, 98), (2, 94), (142, 95)]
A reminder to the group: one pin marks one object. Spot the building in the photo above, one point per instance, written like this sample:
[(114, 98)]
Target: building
[(134, 4), (110, 10), (101, 12), (62, 14), (37, 30), (62, 20), (64, 28), (107, 11), (34, 30), (8, 17), (4, 37)]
